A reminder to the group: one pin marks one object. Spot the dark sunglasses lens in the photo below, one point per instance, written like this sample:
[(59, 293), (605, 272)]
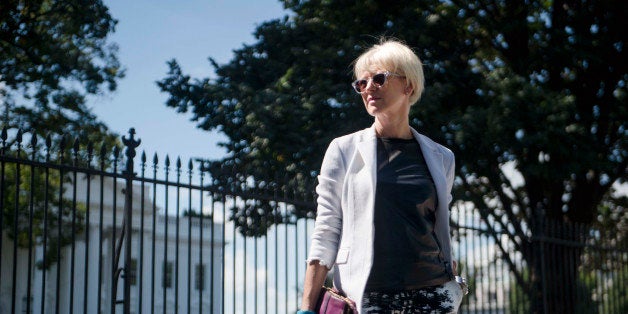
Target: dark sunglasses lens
[(379, 79), (359, 85)]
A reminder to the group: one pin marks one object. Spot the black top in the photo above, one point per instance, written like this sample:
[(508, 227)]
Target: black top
[(406, 251)]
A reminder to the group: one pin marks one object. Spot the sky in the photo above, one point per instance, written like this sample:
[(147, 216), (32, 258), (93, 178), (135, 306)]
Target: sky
[(151, 32)]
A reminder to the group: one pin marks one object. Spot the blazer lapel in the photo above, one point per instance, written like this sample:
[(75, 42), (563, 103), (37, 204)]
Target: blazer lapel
[(367, 151), (434, 159), (362, 171)]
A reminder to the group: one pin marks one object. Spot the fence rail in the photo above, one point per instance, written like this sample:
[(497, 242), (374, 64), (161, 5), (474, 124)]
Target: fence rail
[(100, 231)]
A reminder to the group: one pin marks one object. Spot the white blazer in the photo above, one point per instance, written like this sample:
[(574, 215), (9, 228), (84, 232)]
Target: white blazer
[(343, 232)]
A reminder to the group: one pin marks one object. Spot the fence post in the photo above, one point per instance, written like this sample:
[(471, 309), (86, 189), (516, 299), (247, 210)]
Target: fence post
[(130, 144), (540, 234)]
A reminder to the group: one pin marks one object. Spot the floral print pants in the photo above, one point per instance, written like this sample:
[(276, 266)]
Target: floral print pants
[(434, 300)]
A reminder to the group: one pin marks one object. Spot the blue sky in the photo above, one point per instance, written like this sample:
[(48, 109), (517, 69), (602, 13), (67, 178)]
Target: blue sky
[(151, 32)]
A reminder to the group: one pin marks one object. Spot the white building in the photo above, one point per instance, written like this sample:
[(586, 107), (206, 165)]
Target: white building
[(165, 275)]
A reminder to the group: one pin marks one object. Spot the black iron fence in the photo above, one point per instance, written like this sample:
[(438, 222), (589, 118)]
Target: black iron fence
[(98, 230), (557, 267)]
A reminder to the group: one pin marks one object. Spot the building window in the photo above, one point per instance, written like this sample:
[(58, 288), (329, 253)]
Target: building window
[(199, 280), (25, 301), (132, 275), (166, 279)]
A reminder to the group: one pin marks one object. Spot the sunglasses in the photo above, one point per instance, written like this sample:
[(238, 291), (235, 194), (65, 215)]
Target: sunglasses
[(378, 79)]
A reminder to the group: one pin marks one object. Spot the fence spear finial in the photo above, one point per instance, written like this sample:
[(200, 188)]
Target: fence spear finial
[(131, 143)]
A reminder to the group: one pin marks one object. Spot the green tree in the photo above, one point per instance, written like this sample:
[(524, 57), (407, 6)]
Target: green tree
[(53, 55), (536, 85)]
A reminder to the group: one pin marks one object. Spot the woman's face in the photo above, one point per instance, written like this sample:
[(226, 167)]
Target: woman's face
[(390, 99)]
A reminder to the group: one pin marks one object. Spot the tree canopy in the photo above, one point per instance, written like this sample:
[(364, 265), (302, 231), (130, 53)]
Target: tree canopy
[(52, 55), (541, 85)]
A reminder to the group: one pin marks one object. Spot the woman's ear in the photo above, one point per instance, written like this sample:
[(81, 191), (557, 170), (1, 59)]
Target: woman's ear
[(408, 90)]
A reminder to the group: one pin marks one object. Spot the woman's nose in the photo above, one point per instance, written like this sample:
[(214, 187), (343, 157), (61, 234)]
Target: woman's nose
[(370, 85)]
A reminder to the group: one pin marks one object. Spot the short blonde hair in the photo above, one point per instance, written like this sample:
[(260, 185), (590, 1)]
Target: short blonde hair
[(395, 57)]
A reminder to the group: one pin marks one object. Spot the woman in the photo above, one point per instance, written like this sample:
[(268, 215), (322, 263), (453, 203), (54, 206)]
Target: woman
[(383, 201)]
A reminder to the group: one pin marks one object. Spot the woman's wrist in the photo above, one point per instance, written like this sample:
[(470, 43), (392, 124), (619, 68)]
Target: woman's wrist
[(305, 312)]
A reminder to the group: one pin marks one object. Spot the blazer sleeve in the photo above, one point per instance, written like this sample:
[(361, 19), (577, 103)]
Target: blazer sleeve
[(450, 176), (328, 226)]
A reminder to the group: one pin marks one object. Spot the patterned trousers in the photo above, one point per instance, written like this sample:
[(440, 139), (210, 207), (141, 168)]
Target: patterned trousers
[(434, 300)]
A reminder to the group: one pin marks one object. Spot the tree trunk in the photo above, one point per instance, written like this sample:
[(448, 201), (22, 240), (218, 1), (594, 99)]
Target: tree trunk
[(555, 261)]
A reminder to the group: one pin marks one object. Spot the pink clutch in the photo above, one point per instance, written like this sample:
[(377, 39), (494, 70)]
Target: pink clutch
[(331, 301)]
